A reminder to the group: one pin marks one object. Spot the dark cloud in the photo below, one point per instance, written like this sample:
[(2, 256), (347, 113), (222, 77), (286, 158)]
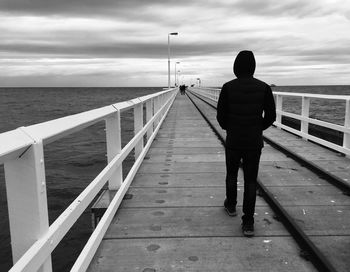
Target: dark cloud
[(90, 48), (138, 9), (333, 55), (135, 9), (294, 8), (113, 49)]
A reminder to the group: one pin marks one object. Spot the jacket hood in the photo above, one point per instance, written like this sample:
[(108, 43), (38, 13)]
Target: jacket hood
[(244, 64)]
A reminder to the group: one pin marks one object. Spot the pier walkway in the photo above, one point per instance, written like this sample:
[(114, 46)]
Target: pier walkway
[(172, 218), (167, 214)]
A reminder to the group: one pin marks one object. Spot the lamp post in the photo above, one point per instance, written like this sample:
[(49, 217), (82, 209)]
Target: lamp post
[(175, 71), (173, 33)]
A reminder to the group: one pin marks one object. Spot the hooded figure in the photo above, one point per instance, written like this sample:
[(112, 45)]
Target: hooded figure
[(244, 65), (245, 108)]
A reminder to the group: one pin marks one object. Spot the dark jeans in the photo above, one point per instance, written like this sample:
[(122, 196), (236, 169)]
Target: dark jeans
[(250, 159)]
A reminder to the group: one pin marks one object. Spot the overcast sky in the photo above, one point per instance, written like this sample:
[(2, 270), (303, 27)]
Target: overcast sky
[(124, 42)]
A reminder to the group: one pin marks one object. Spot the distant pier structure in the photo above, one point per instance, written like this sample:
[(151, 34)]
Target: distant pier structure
[(167, 213)]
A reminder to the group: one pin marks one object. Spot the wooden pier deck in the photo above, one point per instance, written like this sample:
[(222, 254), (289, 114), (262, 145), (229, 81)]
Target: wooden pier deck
[(172, 218)]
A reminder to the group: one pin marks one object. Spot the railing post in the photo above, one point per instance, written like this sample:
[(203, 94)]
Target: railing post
[(160, 103), (114, 146), (27, 201), (346, 137), (149, 115), (155, 110), (138, 125), (279, 102), (305, 109)]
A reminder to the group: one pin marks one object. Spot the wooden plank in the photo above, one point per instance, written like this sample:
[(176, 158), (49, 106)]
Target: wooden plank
[(200, 254), (334, 166), (207, 179), (189, 138), (185, 144), (177, 197), (285, 165), (182, 125), (322, 220), (182, 167), (209, 157), (327, 159), (272, 176), (273, 156), (310, 195), (189, 222), (192, 133), (331, 244), (186, 151), (316, 150), (344, 175)]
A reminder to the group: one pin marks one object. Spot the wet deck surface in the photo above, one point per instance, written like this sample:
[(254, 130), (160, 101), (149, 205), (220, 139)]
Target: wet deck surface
[(173, 217)]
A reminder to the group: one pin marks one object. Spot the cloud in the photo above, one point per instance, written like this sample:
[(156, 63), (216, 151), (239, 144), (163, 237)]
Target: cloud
[(296, 8), (86, 38), (299, 8)]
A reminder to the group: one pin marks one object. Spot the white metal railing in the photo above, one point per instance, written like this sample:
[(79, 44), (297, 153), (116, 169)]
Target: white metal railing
[(211, 93), (22, 153), (304, 117)]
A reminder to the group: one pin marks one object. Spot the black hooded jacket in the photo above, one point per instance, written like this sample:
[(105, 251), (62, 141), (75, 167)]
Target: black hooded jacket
[(246, 106)]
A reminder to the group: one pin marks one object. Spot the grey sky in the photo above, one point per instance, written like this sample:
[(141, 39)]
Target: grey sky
[(124, 43)]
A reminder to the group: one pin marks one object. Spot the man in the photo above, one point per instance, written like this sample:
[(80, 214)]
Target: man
[(245, 108)]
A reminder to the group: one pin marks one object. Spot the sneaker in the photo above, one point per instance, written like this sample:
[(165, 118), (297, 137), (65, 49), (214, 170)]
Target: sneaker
[(231, 211), (248, 230)]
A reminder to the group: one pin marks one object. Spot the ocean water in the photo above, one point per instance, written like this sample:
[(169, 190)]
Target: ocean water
[(72, 162)]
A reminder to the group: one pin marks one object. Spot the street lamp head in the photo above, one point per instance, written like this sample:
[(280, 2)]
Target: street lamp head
[(173, 33)]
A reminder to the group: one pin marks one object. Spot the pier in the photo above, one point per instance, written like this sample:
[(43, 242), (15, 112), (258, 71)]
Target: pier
[(167, 214)]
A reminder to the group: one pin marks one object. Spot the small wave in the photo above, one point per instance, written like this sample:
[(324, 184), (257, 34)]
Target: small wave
[(87, 163)]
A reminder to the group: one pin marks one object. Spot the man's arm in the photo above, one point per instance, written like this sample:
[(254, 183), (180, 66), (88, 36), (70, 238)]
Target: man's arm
[(221, 108), (269, 108)]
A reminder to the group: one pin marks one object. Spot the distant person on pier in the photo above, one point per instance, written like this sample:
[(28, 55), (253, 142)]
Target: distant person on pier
[(245, 108), (182, 89)]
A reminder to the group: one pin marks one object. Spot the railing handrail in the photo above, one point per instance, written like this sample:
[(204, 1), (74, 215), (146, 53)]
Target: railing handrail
[(311, 95), (24, 148), (304, 117)]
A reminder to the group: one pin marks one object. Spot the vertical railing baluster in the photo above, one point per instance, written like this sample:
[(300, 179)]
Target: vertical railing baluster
[(305, 110), (27, 201), (154, 101), (346, 138), (160, 106), (114, 145), (138, 125), (156, 108), (149, 115), (279, 103)]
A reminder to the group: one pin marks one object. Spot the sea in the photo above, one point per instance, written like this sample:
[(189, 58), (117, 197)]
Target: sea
[(74, 161)]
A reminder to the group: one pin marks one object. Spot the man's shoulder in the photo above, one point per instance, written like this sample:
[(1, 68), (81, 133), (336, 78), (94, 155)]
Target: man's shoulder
[(229, 83), (238, 82), (260, 82)]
